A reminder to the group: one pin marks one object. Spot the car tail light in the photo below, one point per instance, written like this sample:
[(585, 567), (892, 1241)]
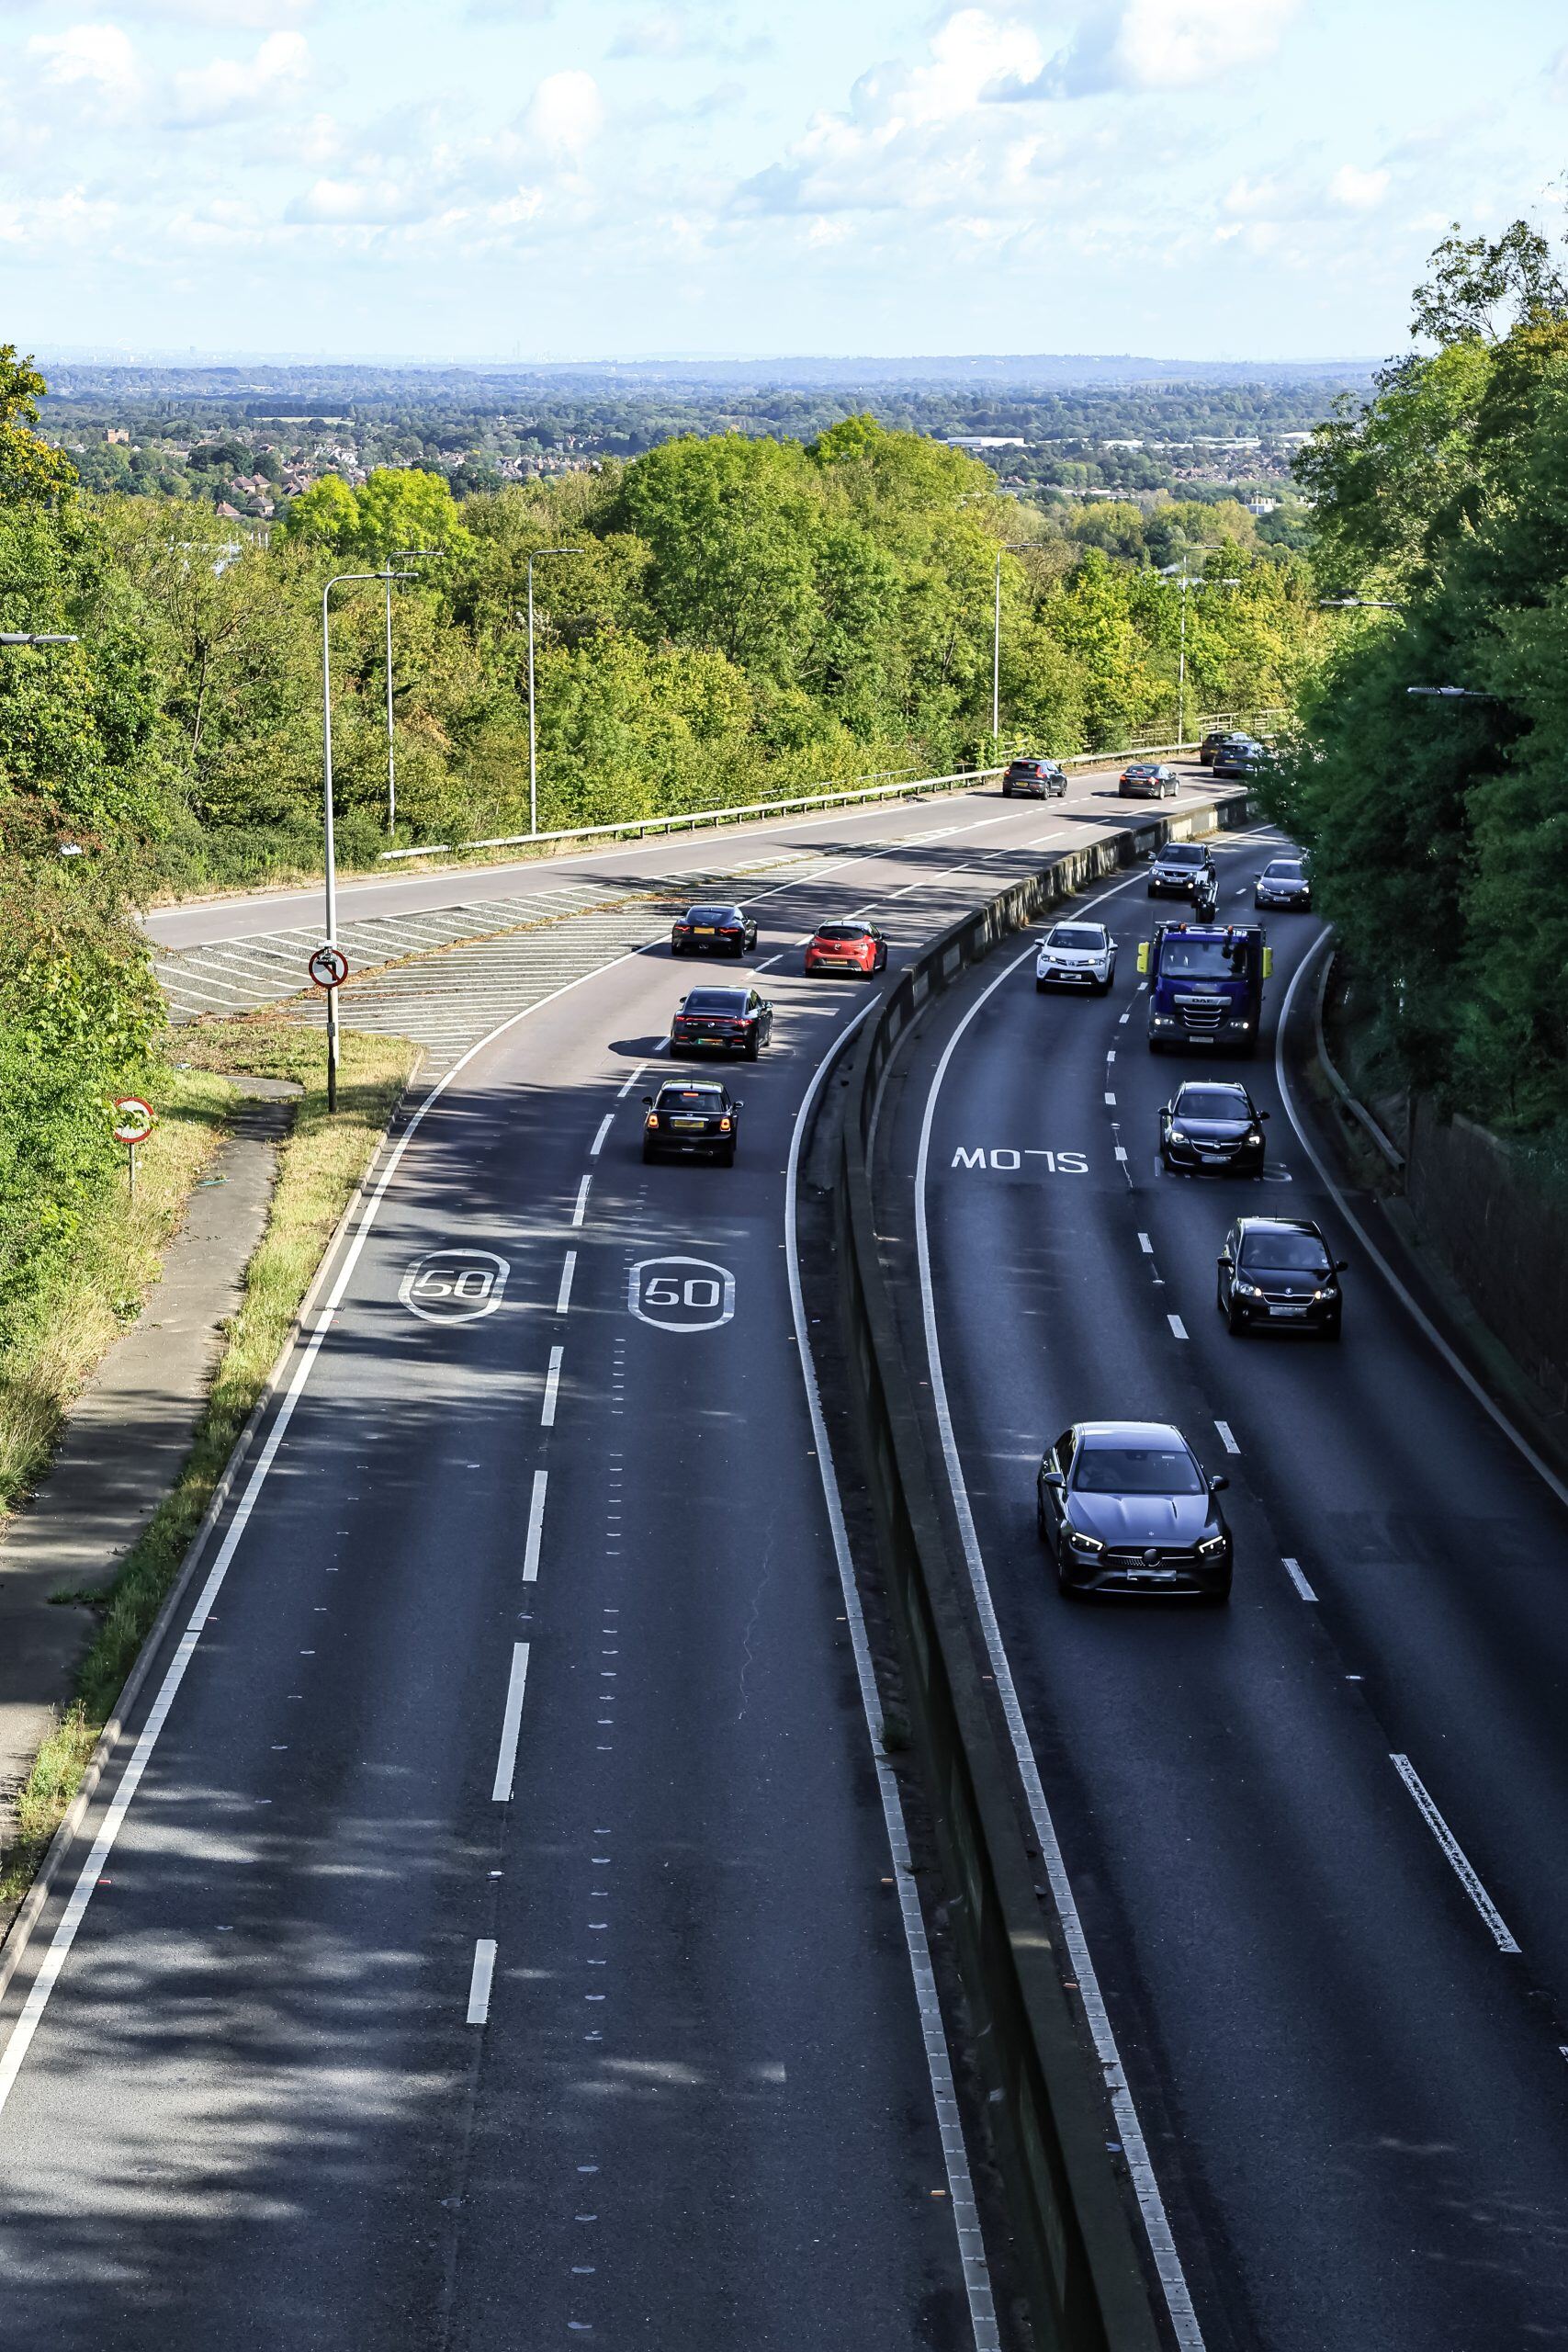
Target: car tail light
[(652, 1120), (724, 1127)]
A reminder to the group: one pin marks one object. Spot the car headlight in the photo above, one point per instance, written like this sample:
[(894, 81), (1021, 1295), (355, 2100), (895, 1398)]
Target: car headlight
[(1244, 1289), (1090, 1546), (1210, 1546), (1253, 1134), (1176, 1135)]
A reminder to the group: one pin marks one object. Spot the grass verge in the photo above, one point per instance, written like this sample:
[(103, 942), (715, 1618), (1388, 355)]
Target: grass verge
[(320, 1163)]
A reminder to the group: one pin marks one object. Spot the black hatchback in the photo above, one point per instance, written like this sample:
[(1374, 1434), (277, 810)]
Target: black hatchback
[(713, 931), (723, 1021), (1036, 779), (1212, 1124), (1276, 1270), (695, 1118)]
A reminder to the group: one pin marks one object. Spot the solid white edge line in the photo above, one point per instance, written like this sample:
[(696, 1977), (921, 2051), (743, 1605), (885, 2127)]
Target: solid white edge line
[(597, 1146), (535, 1536), (552, 1384), (1151, 2204), (580, 1207), (1422, 1322), (563, 1295), (1454, 1854), (1294, 1570), (959, 2182), (511, 1725), (479, 1984)]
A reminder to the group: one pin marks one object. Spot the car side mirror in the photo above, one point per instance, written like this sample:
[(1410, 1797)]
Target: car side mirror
[(1226, 1257), (1342, 1265), (740, 1101), (1053, 1478), (1217, 1486), (647, 1100), (1263, 1115)]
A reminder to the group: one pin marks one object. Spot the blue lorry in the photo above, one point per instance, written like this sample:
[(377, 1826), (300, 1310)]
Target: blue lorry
[(1206, 984)]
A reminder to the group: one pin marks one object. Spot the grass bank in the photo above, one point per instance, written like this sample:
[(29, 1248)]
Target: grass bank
[(320, 1163)]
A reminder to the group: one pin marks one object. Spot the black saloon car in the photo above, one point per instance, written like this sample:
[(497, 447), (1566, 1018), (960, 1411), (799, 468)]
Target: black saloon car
[(692, 1119), (1213, 1123), (1239, 758), (1149, 780), (1213, 743), (1126, 1507), (1035, 779), (724, 1021), (714, 930), (1276, 1270), (1285, 882)]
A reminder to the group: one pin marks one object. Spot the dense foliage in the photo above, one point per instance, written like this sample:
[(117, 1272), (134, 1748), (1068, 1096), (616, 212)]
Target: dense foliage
[(1439, 825)]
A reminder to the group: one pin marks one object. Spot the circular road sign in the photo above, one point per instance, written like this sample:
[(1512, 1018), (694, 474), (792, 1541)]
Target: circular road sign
[(329, 968), (133, 1119)]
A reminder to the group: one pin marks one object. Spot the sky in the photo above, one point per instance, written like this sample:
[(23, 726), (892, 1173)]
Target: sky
[(588, 179)]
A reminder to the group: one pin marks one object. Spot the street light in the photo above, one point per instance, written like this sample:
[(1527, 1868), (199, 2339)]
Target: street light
[(1006, 547), (1184, 583), (1454, 694), (533, 768), (26, 637), (329, 855), (400, 555), (1358, 605)]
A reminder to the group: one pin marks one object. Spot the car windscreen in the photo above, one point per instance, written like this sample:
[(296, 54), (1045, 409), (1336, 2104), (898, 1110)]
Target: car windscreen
[(1284, 869), (841, 931), (708, 1099), (1203, 959), (1076, 934), (1026, 767), (716, 1000), (1183, 853), (1210, 1102), (713, 914), (1285, 1253), (1134, 1470)]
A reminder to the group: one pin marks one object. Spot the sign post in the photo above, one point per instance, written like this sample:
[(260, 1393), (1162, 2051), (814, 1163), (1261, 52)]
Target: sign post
[(133, 1123), (329, 970)]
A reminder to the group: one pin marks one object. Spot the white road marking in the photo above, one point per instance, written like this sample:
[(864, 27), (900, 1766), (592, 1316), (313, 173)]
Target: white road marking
[(1145, 1245), (623, 1092), (563, 1296), (1294, 1570), (966, 2214), (1422, 1322), (535, 1527), (1227, 1437), (511, 1725), (597, 1146), (1151, 2204), (1123, 1021), (479, 1984), (1121, 1151), (1112, 1100), (552, 1382), (769, 961), (1177, 1326), (578, 1213), (1454, 1854)]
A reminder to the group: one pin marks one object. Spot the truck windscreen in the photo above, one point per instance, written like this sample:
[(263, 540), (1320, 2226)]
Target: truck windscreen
[(1203, 959)]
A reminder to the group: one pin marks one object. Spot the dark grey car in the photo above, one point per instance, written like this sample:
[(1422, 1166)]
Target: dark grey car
[(1275, 1271), (1212, 1124), (1126, 1507)]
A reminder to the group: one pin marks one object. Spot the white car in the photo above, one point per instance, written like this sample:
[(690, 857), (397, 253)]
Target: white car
[(1077, 956)]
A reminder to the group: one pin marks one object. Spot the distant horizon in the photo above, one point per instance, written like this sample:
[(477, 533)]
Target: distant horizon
[(997, 366)]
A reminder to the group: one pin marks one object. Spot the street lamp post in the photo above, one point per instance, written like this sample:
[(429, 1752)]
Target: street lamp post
[(1007, 546), (533, 756), (329, 854), (401, 555), (1184, 583)]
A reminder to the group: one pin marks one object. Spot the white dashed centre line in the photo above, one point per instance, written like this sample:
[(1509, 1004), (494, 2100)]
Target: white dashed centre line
[(1112, 1100), (511, 1725), (535, 1527), (769, 961), (1145, 1245), (597, 1146), (563, 1296), (1227, 1438), (478, 1985), (580, 1209), (1177, 1326), (1454, 1854), (631, 1082), (552, 1382), (1294, 1570)]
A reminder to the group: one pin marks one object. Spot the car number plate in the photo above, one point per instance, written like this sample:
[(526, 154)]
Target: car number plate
[(1288, 1310), (702, 930), (686, 1123)]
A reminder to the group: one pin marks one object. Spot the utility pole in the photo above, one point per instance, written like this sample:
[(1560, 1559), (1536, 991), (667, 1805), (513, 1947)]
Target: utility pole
[(532, 767), (1007, 546), (404, 555)]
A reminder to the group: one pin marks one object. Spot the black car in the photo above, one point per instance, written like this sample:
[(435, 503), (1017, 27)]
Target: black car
[(1213, 1123), (1277, 1270), (1126, 1507), (726, 1021), (1178, 869), (714, 930), (1149, 780), (1285, 882), (692, 1119), (1241, 757), (1213, 744), (1036, 779)]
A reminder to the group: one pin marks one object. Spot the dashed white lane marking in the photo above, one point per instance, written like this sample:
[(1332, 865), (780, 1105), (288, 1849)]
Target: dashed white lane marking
[(1122, 1023), (511, 1725), (1454, 1854), (535, 1527), (563, 1295), (1227, 1437), (552, 1382), (1177, 1326), (1112, 1100), (1294, 1570), (1121, 1151), (597, 1146), (769, 961), (579, 1211), (1145, 1245), (623, 1092), (479, 1984)]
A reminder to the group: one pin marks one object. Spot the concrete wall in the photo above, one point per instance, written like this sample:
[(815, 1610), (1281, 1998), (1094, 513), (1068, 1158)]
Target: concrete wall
[(1503, 1232)]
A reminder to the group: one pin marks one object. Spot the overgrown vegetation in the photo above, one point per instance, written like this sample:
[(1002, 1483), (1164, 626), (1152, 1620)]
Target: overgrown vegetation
[(1438, 825)]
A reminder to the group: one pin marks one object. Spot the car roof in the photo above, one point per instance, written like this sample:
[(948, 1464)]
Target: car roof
[(1076, 922), (1185, 848), (715, 996), (1280, 1224), (714, 907), (694, 1086), (1161, 1433), (842, 923), (1213, 1086)]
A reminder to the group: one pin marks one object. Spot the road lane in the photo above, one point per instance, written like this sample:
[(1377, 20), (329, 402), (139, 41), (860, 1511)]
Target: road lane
[(1354, 2099)]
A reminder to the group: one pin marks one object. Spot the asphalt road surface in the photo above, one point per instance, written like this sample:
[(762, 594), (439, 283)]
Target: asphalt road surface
[(1348, 2056), (492, 1936)]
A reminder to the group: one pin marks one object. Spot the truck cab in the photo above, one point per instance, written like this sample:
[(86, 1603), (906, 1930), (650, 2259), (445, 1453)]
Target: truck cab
[(1206, 984)]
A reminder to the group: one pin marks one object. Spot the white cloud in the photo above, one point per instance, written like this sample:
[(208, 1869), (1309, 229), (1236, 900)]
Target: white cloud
[(565, 114), (97, 60), (231, 88), (1177, 44), (339, 203), (1357, 190)]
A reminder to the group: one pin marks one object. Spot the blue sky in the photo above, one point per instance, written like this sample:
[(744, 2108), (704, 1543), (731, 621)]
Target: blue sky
[(586, 179)]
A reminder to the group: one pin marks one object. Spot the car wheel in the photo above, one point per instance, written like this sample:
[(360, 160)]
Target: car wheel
[(1152, 893), (882, 961), (1219, 1598), (753, 1047), (1007, 792), (1102, 987), (1068, 1591), (1333, 1331), (1039, 988), (726, 1159), (1235, 1320), (1038, 1517), (648, 1154)]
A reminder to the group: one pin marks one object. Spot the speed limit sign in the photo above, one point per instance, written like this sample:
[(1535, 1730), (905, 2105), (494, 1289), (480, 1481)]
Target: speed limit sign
[(133, 1119), (329, 968)]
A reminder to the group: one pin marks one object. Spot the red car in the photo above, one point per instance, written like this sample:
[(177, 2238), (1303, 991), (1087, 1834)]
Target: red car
[(847, 947)]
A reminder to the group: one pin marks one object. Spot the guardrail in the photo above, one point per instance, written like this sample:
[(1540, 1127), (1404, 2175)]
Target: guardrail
[(1073, 2235), (906, 787)]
